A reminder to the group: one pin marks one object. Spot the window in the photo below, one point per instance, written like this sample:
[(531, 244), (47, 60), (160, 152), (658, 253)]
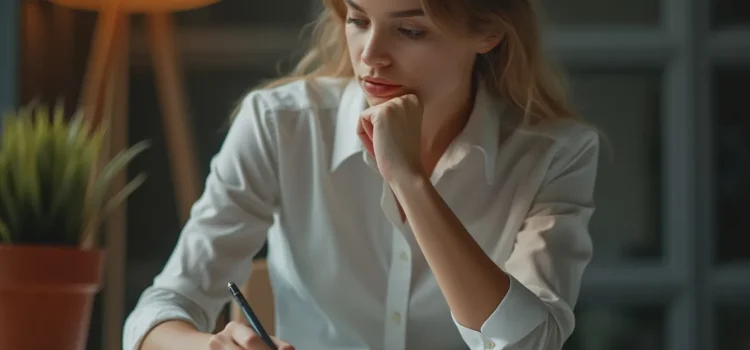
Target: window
[(731, 13), (583, 13), (618, 328), (626, 106), (732, 162)]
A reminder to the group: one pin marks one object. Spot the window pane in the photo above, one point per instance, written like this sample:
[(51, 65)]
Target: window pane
[(576, 13), (625, 107), (248, 12), (731, 12), (733, 327), (614, 328), (153, 225), (732, 135)]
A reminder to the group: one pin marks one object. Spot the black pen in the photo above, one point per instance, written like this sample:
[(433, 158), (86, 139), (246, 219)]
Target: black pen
[(250, 315)]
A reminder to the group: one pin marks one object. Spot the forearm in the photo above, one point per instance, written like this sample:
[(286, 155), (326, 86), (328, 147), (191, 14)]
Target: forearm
[(472, 284), (175, 335)]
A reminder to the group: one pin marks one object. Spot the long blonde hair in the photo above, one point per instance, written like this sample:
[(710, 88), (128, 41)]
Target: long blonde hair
[(516, 69)]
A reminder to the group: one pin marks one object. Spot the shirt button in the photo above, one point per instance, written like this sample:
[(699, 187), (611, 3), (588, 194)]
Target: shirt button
[(396, 317), (404, 256), (490, 345)]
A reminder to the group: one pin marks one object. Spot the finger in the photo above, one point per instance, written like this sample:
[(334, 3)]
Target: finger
[(411, 98), (361, 130), (411, 103), (367, 124), (282, 345), (360, 127), (245, 337), (365, 137), (365, 121), (222, 341)]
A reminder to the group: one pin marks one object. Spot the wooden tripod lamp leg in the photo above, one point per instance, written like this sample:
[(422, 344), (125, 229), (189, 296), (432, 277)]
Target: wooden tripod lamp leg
[(94, 90), (99, 60), (180, 144), (117, 222), (104, 96)]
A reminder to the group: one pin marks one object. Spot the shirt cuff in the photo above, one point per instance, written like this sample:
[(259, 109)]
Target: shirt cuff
[(139, 325), (518, 314)]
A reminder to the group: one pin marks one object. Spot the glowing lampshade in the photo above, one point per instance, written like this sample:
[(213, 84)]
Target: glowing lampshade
[(136, 6)]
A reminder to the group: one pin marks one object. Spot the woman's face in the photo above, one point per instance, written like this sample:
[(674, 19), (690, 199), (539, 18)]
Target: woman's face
[(396, 49)]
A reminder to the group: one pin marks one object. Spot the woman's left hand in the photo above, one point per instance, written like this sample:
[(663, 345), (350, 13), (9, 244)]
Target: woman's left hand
[(391, 132)]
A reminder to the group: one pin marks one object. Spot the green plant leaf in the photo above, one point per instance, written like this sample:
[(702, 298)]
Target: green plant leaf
[(96, 200), (51, 188), (93, 148), (68, 183), (123, 194), (37, 132), (78, 131), (9, 135), (8, 204), (59, 140), (20, 154), (5, 236)]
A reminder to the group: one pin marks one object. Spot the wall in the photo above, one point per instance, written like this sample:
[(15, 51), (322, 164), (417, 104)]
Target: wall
[(8, 52)]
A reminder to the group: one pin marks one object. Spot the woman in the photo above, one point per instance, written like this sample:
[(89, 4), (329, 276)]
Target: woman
[(423, 186)]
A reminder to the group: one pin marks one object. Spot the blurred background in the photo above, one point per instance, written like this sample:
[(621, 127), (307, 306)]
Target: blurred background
[(666, 80)]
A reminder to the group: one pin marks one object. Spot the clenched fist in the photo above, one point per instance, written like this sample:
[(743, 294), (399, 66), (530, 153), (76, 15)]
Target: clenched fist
[(391, 133)]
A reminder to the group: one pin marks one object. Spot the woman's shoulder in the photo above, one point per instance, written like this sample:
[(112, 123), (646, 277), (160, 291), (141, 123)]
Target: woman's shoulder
[(562, 133), (297, 117), (549, 148), (298, 95), (549, 144)]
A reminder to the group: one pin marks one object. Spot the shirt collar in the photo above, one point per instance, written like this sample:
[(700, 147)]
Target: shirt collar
[(482, 130)]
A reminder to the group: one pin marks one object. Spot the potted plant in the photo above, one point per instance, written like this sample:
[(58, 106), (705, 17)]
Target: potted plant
[(54, 194)]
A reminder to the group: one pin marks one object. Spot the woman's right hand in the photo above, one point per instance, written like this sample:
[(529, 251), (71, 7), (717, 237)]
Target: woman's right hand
[(237, 336)]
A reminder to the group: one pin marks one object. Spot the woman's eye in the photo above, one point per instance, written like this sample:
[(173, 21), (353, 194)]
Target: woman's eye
[(407, 32), (412, 33), (357, 22)]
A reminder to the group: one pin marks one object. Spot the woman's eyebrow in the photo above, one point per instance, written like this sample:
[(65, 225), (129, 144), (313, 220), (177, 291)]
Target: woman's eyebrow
[(396, 14)]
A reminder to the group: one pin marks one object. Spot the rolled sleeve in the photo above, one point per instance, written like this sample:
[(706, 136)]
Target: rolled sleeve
[(551, 251), (158, 306), (518, 313)]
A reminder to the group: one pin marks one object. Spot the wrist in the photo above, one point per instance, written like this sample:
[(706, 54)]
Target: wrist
[(175, 335), (407, 182)]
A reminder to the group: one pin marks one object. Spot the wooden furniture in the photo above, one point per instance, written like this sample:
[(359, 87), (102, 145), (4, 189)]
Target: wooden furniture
[(259, 295)]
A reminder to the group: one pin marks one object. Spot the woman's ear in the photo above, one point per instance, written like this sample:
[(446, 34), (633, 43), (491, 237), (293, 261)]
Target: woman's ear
[(487, 43)]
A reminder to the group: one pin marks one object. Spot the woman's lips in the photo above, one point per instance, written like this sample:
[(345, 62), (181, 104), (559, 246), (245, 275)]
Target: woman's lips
[(377, 89)]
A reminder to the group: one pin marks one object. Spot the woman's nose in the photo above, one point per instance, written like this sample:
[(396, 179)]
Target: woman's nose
[(376, 52)]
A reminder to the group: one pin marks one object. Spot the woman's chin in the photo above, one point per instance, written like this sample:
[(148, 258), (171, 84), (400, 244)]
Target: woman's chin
[(374, 101)]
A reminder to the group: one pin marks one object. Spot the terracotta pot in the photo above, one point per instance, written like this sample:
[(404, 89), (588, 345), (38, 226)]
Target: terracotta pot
[(46, 296)]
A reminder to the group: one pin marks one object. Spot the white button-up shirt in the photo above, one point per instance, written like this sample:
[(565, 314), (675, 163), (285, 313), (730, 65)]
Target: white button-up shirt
[(346, 272)]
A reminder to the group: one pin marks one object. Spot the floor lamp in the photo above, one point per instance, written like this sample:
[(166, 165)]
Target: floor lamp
[(105, 95)]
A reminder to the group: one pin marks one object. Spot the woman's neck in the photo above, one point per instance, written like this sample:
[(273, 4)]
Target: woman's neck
[(439, 129)]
